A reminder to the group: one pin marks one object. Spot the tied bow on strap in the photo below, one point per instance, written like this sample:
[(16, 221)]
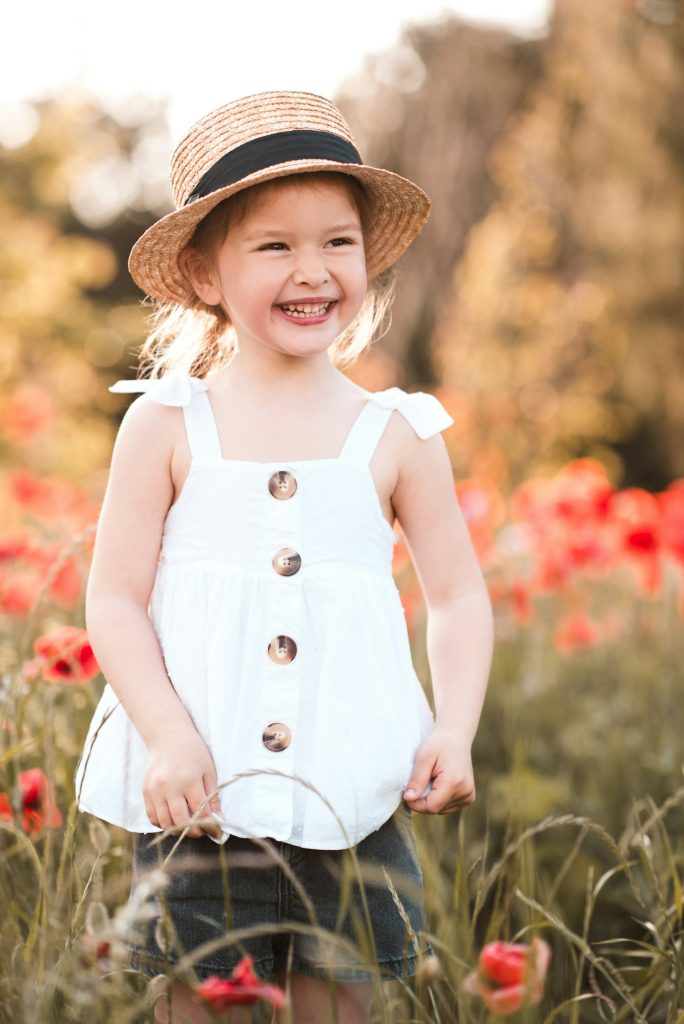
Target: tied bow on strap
[(425, 412), (175, 388)]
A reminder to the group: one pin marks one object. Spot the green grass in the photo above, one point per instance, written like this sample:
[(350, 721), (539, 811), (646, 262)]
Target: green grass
[(576, 835)]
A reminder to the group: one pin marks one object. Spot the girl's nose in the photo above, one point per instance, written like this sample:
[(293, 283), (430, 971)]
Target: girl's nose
[(311, 269)]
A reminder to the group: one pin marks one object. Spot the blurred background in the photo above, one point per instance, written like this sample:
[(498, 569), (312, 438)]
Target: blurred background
[(544, 292), (542, 303)]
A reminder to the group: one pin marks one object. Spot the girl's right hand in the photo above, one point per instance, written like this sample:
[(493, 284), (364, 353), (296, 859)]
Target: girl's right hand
[(180, 774)]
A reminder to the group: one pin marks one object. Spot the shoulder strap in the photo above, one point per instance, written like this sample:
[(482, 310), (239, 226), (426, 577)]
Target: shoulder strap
[(424, 412), (200, 426), (365, 434), (181, 389)]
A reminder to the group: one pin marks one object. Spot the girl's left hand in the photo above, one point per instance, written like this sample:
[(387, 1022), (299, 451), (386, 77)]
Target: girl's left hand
[(444, 760)]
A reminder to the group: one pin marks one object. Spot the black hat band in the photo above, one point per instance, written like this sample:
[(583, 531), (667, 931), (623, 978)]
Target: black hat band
[(268, 150)]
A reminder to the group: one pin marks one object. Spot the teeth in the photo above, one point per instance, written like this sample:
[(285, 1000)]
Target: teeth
[(307, 310)]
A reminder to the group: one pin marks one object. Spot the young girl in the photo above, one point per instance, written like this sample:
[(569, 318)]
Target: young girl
[(261, 700)]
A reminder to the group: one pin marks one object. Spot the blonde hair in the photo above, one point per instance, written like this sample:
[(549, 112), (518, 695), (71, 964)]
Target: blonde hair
[(198, 338)]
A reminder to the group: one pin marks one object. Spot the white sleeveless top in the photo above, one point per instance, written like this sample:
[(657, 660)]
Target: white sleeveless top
[(283, 634)]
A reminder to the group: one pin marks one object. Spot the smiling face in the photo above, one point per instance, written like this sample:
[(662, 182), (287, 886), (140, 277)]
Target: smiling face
[(297, 241)]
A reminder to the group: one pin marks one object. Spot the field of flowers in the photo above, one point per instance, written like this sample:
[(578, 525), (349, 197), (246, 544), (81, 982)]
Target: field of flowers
[(545, 295), (575, 838)]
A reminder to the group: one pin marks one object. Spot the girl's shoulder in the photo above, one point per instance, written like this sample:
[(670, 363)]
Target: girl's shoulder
[(422, 410), (152, 427)]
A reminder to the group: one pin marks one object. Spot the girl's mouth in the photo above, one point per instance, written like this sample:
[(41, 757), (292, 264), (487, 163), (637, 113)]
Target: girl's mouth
[(308, 314)]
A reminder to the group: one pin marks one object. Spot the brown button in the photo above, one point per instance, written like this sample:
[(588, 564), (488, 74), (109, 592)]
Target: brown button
[(282, 484), (286, 561), (276, 736), (282, 649)]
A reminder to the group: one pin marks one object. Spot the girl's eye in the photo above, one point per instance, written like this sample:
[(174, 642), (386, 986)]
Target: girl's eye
[(280, 246)]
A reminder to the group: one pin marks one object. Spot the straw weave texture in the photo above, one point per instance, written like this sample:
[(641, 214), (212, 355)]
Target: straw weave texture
[(245, 119)]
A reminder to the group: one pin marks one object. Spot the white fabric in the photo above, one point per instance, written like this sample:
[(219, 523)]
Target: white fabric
[(355, 707)]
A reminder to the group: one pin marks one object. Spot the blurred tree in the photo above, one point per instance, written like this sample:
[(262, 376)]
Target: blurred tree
[(565, 330), (544, 294), (430, 109), (72, 200)]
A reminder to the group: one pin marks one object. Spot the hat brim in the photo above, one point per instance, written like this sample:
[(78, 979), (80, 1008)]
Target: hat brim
[(401, 209)]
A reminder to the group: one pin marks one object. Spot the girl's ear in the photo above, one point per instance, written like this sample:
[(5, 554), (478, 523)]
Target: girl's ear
[(199, 276)]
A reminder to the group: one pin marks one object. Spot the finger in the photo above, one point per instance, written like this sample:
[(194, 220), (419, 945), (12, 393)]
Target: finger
[(151, 812), (191, 826), (181, 818), (209, 782), (444, 791), (465, 794), (430, 795), (458, 802), (199, 810), (194, 831), (196, 799), (164, 815), (421, 779), (180, 813), (420, 805)]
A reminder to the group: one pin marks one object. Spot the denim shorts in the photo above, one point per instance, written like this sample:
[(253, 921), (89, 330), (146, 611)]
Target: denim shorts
[(329, 914)]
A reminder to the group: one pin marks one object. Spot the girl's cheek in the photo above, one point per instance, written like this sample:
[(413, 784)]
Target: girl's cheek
[(362, 277)]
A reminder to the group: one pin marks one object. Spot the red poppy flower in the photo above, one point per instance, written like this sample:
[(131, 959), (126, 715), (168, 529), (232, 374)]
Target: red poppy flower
[(575, 631), (5, 808), (64, 656), (15, 545), (17, 596), (583, 491), (638, 534), (483, 508), (671, 504), (66, 586), (243, 986), (510, 975), (39, 808), (642, 540), (52, 500), (28, 411), (568, 518)]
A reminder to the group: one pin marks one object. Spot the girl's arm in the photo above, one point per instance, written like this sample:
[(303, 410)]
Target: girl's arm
[(460, 627), (180, 770)]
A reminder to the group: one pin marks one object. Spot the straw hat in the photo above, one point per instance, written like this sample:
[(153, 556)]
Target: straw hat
[(255, 138)]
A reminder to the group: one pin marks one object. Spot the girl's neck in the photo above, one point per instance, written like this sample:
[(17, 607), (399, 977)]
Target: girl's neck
[(294, 377)]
